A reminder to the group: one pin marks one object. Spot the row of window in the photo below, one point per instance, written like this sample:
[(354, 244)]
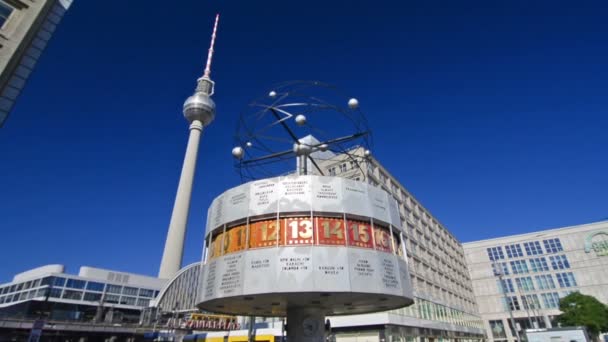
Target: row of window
[(532, 248), (532, 301), (74, 295), (343, 167), (429, 245), (558, 262), (428, 310), (543, 282), (428, 242), (76, 289)]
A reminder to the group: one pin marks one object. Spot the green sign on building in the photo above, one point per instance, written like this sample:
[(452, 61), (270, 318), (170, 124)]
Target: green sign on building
[(597, 242)]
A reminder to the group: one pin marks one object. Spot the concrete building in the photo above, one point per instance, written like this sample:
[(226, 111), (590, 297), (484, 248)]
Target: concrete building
[(26, 26), (527, 274), (93, 295), (444, 308)]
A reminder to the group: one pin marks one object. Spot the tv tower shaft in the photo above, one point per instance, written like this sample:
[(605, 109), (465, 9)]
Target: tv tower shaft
[(199, 110)]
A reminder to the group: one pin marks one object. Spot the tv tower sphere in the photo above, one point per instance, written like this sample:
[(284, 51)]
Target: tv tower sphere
[(199, 107)]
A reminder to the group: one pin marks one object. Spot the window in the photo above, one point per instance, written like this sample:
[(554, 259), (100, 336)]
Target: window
[(565, 279), (495, 253), (511, 303), (93, 286), (524, 284), (530, 302), (383, 178), (113, 288), (505, 286), (59, 281), (539, 264), (113, 299), (545, 282), (551, 300), (143, 302), (5, 12), (71, 294), (92, 297), (55, 293), (514, 251), (519, 266), (75, 284), (127, 300), (533, 248), (553, 245), (559, 262), (146, 293), (343, 167), (332, 171), (131, 291), (371, 167), (353, 164), (46, 281)]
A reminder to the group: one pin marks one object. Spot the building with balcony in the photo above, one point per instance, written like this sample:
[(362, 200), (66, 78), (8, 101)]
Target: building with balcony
[(526, 275)]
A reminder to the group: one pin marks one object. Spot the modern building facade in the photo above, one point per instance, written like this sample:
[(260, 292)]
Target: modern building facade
[(526, 275), (444, 308), (93, 295), (26, 27)]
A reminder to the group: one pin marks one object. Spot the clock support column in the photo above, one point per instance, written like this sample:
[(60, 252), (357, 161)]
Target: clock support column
[(305, 325)]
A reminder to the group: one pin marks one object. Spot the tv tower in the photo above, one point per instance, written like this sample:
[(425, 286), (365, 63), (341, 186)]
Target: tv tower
[(199, 110)]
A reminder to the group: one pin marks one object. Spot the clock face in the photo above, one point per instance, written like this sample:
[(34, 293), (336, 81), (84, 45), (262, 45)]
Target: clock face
[(310, 326)]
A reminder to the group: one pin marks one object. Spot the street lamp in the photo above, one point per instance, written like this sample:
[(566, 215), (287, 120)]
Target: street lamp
[(498, 270)]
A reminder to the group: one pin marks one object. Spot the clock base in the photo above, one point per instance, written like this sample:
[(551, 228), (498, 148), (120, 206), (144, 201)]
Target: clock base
[(305, 325)]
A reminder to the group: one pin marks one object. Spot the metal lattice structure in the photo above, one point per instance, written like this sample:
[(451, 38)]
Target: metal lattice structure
[(301, 121), (180, 293)]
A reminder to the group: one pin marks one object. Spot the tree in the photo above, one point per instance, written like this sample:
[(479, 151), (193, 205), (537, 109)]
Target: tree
[(581, 310)]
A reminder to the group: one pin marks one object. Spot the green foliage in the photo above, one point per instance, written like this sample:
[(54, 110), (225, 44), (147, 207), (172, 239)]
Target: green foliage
[(581, 310)]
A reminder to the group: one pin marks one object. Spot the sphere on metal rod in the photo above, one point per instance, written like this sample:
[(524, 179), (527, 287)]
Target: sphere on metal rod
[(323, 147), (353, 103), (248, 144), (368, 153), (238, 152), (272, 94), (199, 107), (301, 120), (302, 149)]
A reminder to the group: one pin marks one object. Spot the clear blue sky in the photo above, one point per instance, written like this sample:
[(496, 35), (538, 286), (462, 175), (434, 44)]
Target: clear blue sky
[(494, 117)]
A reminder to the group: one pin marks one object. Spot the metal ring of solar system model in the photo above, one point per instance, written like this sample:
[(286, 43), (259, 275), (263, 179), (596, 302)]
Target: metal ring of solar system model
[(330, 244)]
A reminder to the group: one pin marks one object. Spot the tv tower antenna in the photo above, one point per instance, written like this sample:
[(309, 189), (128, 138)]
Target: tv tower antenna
[(199, 110)]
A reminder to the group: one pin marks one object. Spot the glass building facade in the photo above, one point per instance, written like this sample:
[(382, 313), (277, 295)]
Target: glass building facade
[(69, 297), (526, 275)]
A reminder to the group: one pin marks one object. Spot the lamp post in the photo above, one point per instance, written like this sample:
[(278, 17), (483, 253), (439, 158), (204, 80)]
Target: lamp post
[(499, 272)]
